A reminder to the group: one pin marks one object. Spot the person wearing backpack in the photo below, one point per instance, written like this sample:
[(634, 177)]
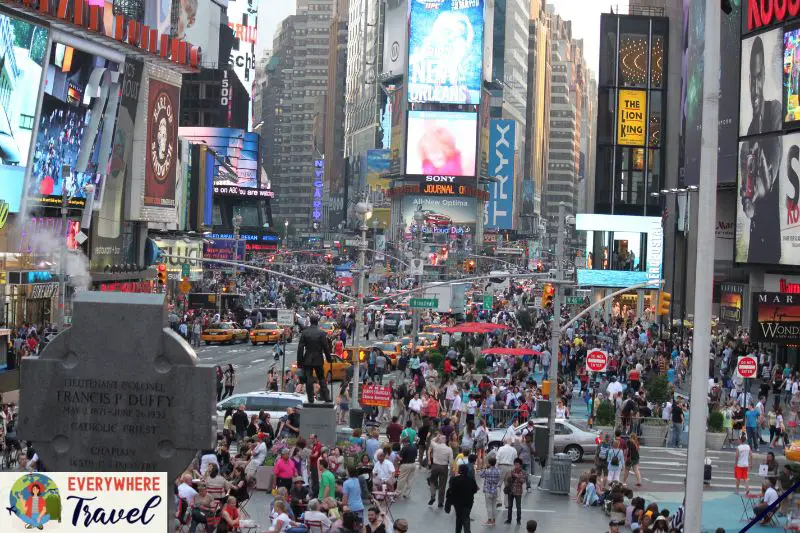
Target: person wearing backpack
[(616, 461), (601, 459)]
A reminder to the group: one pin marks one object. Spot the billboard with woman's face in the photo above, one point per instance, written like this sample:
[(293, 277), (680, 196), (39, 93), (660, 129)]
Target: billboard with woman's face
[(441, 144)]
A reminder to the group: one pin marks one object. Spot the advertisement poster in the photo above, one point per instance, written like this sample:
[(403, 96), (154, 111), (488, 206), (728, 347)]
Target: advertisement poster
[(483, 135), (198, 23), (375, 166), (162, 144), (499, 210), (445, 51), (243, 58), (23, 45), (760, 101), (791, 77), (775, 318), (725, 230), (767, 213), (398, 141), (441, 143), (237, 173), (445, 215), (631, 118), (395, 37), (225, 249), (730, 303)]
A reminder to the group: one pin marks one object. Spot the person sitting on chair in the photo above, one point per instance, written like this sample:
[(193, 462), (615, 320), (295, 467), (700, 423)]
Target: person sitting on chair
[(770, 497)]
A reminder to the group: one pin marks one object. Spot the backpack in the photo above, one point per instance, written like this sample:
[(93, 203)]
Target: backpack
[(481, 439), (603, 453), (615, 459)]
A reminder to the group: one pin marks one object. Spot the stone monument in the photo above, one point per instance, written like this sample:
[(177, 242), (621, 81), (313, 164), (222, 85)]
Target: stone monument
[(319, 419), (118, 391)]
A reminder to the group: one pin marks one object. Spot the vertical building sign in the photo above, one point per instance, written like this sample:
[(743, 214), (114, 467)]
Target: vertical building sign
[(319, 171), (631, 121), (499, 211), (162, 142)]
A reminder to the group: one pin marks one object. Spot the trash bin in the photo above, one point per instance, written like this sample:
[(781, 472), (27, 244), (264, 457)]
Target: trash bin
[(560, 472)]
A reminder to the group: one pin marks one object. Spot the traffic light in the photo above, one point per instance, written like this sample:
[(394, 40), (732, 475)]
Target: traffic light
[(162, 273), (664, 299), (547, 295)]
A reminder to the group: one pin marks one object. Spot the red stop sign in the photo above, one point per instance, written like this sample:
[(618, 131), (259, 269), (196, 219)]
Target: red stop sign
[(596, 360), (747, 366)]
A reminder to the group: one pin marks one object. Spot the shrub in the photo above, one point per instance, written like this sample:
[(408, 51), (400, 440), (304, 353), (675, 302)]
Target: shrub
[(480, 366), (436, 359), (715, 421), (606, 414), (657, 389)]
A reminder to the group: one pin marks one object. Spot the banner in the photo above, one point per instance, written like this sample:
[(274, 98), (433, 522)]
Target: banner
[(395, 37), (760, 101), (375, 167), (162, 144), (376, 395), (632, 118), (775, 318), (445, 51), (499, 210)]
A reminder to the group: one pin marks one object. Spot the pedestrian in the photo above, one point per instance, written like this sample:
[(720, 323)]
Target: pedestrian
[(677, 424), (230, 381), (462, 496), (240, 422), (616, 461), (440, 457), (514, 485), (220, 376), (751, 424), (408, 456), (743, 461), (380, 367), (491, 482), (632, 464), (401, 526)]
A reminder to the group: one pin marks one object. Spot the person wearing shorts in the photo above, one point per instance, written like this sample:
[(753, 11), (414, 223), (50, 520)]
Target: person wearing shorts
[(743, 459)]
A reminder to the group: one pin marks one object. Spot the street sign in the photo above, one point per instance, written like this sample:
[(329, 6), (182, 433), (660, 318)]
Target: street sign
[(185, 270), (424, 303), (747, 366), (185, 286), (445, 341), (488, 301), (285, 317), (80, 238), (575, 300), (597, 360)]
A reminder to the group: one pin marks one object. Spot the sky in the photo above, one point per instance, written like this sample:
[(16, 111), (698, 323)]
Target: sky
[(584, 14), (585, 17)]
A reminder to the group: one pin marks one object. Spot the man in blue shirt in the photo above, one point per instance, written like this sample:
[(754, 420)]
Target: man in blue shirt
[(751, 425), (351, 494)]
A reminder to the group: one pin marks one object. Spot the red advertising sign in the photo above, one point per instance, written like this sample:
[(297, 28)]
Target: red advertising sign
[(376, 395), (747, 366), (596, 360), (162, 143)]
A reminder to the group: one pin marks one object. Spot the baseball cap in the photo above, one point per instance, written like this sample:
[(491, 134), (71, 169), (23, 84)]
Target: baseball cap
[(617, 522)]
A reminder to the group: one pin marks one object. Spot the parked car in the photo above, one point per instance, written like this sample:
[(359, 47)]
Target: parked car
[(569, 439), (275, 403)]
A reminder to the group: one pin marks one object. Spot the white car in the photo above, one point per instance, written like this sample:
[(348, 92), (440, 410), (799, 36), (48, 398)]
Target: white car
[(569, 439), (274, 403)]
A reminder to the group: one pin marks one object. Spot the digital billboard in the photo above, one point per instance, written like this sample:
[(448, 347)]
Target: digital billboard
[(791, 77), (23, 48), (236, 172), (375, 167), (621, 250), (499, 210), (441, 215), (445, 51), (441, 143), (198, 23), (775, 318), (395, 37), (76, 127), (730, 303), (760, 101)]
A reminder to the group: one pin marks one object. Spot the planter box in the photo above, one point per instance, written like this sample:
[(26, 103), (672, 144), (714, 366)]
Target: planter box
[(653, 434), (264, 478), (714, 441)]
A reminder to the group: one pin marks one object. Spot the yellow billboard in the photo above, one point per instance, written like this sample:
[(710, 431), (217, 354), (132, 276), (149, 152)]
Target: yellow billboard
[(632, 118)]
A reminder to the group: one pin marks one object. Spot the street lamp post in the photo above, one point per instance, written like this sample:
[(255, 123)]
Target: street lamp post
[(419, 217), (364, 212), (237, 225), (286, 234)]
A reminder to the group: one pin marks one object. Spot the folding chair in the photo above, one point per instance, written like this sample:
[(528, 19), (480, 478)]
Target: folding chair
[(748, 501), (314, 526)]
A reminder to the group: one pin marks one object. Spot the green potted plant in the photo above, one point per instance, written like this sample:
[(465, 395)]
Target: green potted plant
[(654, 431), (605, 417), (715, 436)]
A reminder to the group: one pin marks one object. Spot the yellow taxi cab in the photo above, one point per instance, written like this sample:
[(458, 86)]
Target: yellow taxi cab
[(792, 453), (430, 339), (267, 332), (420, 348), (223, 332), (334, 371), (434, 328), (391, 350)]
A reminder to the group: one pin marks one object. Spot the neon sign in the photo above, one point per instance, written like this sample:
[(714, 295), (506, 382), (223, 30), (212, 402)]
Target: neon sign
[(319, 170)]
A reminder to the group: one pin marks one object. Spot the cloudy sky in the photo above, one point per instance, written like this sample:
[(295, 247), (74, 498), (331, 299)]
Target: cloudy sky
[(584, 14)]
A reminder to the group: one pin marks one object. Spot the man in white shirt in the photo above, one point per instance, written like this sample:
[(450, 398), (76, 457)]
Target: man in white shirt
[(313, 516), (742, 469), (185, 490), (383, 471), (505, 457), (614, 388), (770, 497)]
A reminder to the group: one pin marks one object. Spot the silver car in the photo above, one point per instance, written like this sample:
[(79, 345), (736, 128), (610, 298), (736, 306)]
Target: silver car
[(569, 439)]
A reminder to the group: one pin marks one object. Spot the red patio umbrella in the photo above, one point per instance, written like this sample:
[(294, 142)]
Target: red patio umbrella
[(476, 327), (509, 351)]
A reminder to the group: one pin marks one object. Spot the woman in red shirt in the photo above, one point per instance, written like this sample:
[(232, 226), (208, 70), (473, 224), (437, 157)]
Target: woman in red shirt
[(229, 516), (284, 470)]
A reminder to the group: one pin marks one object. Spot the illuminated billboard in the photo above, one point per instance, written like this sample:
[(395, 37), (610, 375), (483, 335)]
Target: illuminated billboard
[(23, 48), (631, 121), (444, 218), (236, 171), (791, 77), (760, 102), (445, 51), (375, 167), (441, 144), (621, 250), (76, 127), (499, 210)]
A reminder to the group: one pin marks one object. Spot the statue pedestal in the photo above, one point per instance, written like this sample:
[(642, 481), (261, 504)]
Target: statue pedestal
[(319, 419)]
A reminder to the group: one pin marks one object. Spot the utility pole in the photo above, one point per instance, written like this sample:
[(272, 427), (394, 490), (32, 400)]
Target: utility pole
[(704, 270), (62, 271), (555, 340), (418, 219), (237, 226), (363, 210)]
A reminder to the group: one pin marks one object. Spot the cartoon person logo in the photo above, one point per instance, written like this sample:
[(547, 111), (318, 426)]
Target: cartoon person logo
[(35, 500)]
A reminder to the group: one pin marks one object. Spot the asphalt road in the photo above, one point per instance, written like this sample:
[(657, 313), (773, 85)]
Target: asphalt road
[(250, 362)]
